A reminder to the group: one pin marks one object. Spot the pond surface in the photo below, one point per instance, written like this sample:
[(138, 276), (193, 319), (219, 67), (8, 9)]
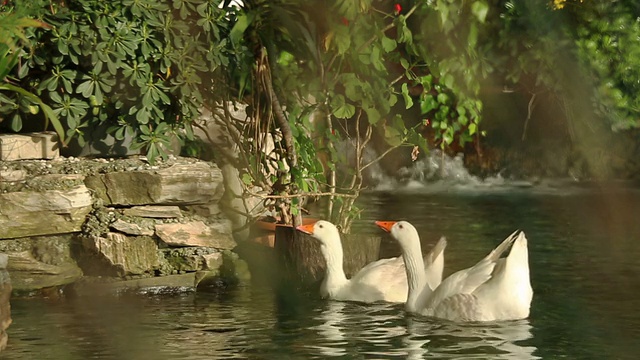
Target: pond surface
[(584, 249)]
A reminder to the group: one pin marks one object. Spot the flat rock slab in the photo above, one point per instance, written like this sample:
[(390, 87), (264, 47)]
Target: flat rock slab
[(130, 228), (190, 259), (195, 233), (42, 145), (42, 262), (29, 274), (154, 211), (179, 184), (31, 213)]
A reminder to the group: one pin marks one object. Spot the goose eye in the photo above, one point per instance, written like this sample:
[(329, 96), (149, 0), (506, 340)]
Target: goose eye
[(320, 226), (400, 226)]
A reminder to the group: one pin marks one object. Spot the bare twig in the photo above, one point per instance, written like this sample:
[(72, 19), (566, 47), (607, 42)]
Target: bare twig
[(378, 158), (287, 135), (529, 113)]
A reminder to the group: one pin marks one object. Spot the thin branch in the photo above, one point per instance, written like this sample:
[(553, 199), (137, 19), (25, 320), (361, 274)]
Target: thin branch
[(380, 157), (529, 113), (287, 135), (394, 81)]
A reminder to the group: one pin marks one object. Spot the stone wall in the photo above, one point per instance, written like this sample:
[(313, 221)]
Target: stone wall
[(119, 223)]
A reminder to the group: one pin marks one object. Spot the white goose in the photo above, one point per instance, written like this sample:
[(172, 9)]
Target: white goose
[(382, 280), (492, 289)]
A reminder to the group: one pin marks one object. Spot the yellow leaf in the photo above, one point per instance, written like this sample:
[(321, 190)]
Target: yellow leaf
[(327, 40)]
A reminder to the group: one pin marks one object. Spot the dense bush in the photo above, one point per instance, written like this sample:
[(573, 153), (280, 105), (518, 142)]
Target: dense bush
[(139, 66)]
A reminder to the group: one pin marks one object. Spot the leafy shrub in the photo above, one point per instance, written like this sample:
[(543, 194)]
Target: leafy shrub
[(12, 42), (138, 66)]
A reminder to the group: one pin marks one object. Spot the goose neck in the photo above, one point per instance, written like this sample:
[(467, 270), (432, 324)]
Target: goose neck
[(416, 277), (334, 260)]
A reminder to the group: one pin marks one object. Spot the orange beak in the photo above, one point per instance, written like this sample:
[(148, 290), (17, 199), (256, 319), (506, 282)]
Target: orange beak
[(307, 228), (385, 225)]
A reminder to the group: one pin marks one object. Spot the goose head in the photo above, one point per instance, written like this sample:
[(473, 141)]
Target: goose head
[(323, 231), (402, 231)]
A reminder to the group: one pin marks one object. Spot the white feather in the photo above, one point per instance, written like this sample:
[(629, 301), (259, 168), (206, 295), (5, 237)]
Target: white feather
[(492, 289), (382, 280)]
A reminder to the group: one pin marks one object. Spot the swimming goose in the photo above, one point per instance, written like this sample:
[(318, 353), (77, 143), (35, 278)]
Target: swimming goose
[(492, 289), (382, 280)]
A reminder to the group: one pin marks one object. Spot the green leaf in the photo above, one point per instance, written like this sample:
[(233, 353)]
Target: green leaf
[(15, 123), (341, 109), (247, 179), (145, 129), (372, 115), (480, 10), (427, 104), (49, 114), (393, 134), (120, 133), (448, 81), (389, 45), (376, 59), (472, 128), (86, 88), (408, 101), (472, 39), (237, 32), (404, 63), (448, 136), (393, 100)]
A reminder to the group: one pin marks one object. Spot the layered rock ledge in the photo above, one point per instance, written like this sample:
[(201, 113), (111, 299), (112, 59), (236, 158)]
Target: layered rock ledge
[(68, 222)]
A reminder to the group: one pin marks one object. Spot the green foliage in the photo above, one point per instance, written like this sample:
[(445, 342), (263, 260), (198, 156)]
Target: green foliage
[(583, 52), (141, 66), (606, 39), (12, 40), (344, 70), (318, 73)]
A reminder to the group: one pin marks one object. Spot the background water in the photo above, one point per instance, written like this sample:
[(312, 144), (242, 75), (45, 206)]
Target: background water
[(584, 257)]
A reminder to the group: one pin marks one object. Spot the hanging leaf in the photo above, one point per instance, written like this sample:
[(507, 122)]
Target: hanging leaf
[(241, 25), (480, 10), (372, 115), (389, 45), (341, 109), (408, 101)]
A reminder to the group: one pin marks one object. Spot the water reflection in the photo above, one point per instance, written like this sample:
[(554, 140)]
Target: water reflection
[(499, 340), (332, 321), (384, 330)]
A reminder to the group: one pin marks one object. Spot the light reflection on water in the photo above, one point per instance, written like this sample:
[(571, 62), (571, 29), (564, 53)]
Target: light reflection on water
[(384, 331), (584, 252), (248, 324)]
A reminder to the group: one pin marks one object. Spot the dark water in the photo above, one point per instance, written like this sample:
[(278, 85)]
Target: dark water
[(585, 270)]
